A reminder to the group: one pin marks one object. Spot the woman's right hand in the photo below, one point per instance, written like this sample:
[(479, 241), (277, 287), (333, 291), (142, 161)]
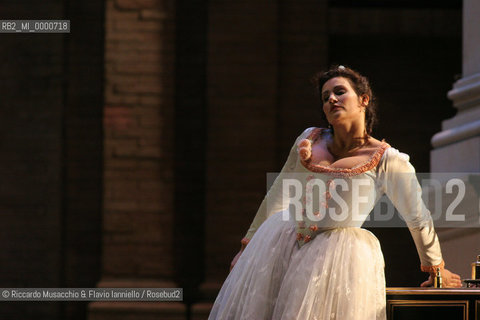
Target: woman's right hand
[(235, 259)]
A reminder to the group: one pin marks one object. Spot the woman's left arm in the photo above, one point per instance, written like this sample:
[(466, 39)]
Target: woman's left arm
[(402, 188)]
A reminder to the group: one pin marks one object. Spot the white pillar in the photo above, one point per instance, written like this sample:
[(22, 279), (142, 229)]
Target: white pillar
[(457, 146)]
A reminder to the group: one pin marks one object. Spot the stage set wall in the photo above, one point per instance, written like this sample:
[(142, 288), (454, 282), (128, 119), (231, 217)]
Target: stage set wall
[(135, 148)]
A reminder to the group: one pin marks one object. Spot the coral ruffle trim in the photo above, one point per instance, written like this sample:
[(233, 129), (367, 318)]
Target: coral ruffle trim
[(433, 269), (371, 163), (244, 241)]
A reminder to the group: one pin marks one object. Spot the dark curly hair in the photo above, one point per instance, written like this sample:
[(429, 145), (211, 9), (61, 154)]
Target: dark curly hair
[(359, 83)]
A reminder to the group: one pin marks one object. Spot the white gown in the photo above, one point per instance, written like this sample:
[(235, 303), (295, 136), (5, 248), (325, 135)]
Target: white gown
[(318, 264)]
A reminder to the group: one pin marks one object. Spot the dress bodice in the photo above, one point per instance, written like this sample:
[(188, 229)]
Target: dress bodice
[(327, 197), (322, 197)]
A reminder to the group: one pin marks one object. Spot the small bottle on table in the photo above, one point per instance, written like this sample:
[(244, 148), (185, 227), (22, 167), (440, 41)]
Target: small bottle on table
[(437, 281)]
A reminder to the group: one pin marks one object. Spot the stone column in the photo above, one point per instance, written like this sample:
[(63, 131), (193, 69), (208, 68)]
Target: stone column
[(457, 146), (138, 211)]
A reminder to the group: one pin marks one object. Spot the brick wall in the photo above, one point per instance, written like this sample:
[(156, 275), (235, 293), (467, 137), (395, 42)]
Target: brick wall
[(137, 182), (138, 159)]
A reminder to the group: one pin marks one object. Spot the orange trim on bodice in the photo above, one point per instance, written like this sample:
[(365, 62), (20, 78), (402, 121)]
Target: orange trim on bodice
[(371, 163)]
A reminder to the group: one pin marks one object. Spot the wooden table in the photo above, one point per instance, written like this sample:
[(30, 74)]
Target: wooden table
[(431, 303)]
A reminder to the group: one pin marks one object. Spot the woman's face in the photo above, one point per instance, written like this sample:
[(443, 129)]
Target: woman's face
[(341, 103)]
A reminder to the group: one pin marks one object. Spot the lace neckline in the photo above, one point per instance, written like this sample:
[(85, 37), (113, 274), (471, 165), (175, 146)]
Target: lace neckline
[(362, 167)]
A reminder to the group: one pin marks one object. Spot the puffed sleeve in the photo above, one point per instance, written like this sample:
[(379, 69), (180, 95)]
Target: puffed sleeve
[(402, 188), (275, 201)]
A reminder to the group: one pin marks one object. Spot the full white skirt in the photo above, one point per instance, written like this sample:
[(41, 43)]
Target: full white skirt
[(337, 275)]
